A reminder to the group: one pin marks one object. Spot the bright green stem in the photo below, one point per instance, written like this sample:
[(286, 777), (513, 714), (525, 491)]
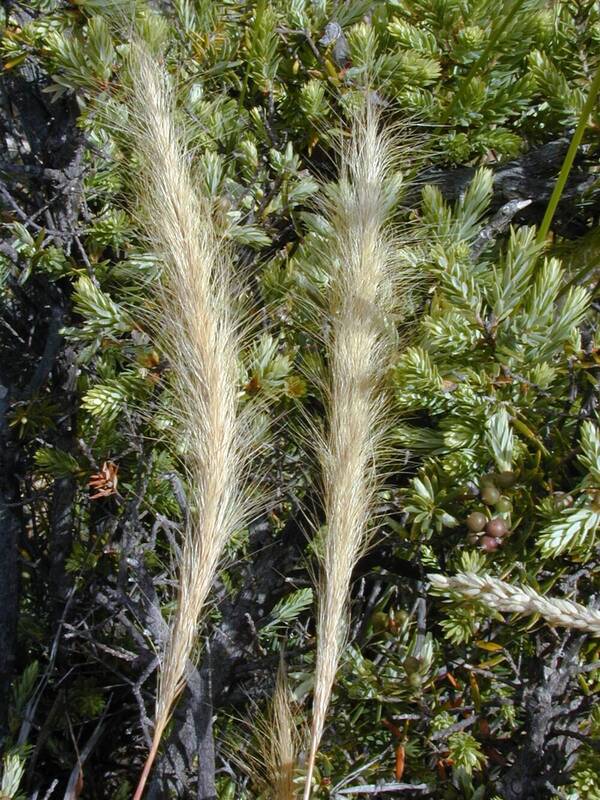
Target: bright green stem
[(569, 158), (485, 53)]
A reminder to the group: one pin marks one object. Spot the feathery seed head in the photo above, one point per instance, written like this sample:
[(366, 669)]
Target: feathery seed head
[(200, 330), (366, 284)]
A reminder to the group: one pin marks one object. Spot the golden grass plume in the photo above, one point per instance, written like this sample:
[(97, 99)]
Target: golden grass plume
[(367, 284), (200, 330), (282, 741), (272, 742)]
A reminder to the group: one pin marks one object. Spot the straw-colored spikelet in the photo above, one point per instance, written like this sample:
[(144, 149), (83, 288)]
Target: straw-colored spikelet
[(269, 756), (281, 739), (365, 284), (502, 596), (200, 335)]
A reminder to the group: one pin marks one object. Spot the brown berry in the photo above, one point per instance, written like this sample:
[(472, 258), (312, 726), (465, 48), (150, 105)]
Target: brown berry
[(496, 527), (490, 495), (489, 543), (411, 664), (379, 621), (488, 480), (506, 478), (476, 521)]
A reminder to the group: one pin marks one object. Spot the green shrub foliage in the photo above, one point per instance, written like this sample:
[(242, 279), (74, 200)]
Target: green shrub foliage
[(492, 397)]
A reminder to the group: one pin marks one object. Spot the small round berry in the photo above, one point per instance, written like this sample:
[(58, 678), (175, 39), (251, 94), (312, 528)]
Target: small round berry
[(379, 621), (411, 664), (504, 505), (489, 543), (506, 478), (476, 521), (488, 480), (401, 616), (414, 680), (473, 537), (496, 528), (490, 495)]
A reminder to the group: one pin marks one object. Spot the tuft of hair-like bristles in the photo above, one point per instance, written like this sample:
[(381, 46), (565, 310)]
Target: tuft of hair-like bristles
[(200, 334), (365, 293), (269, 755), (283, 742)]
